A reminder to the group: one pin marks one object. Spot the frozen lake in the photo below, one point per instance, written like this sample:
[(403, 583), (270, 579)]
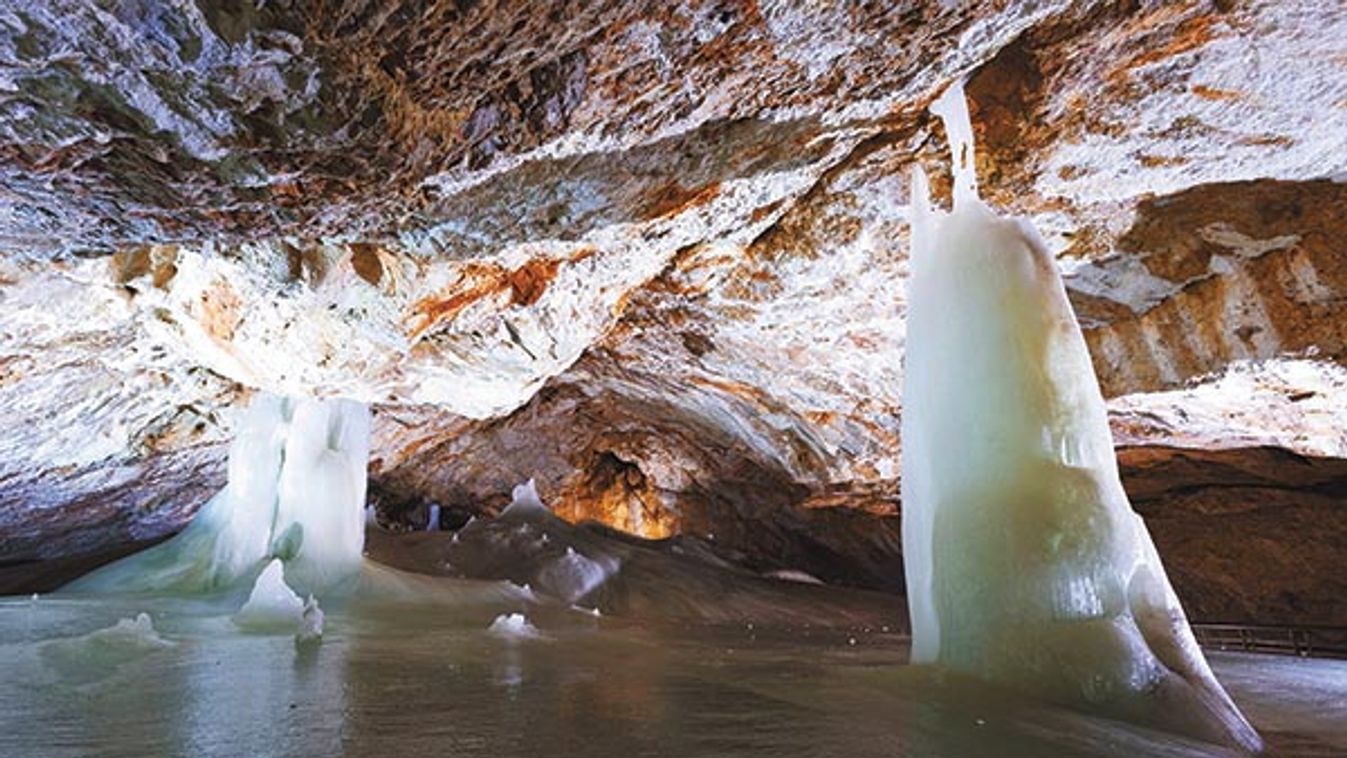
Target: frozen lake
[(420, 675)]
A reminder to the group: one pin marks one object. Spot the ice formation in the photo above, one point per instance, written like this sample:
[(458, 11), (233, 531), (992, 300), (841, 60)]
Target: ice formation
[(793, 575), (272, 604), (524, 499), (1025, 563), (569, 576), (513, 626), (572, 575), (296, 492), (102, 652), (311, 623)]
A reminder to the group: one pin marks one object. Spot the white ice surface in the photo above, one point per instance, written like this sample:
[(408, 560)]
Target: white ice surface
[(513, 626), (311, 625), (296, 492), (1025, 563), (272, 604), (524, 498)]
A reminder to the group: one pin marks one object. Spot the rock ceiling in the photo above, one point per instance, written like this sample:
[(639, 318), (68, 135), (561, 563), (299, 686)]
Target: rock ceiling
[(650, 253)]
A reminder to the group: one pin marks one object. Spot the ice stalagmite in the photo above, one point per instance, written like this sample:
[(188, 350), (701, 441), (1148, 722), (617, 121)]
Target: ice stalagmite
[(1026, 566), (296, 492), (271, 604)]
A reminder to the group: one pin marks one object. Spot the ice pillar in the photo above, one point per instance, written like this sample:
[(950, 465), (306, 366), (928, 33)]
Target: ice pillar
[(296, 492), (1025, 563)]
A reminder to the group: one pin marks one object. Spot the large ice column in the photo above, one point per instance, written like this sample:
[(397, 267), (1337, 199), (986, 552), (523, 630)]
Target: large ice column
[(1025, 563), (320, 507), (296, 492)]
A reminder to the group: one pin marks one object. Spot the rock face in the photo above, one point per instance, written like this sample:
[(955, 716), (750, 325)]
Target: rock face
[(654, 256), (1247, 533)]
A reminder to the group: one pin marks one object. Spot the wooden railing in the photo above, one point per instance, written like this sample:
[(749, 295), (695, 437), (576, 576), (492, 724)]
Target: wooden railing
[(1304, 641)]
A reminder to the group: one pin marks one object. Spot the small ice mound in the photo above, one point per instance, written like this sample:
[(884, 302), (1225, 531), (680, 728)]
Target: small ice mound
[(311, 623), (514, 626), (272, 605), (137, 634), (523, 592), (100, 653), (525, 500), (433, 518), (793, 575), (573, 575)]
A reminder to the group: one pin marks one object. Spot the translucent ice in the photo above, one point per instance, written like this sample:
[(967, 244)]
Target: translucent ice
[(311, 625), (793, 575), (1025, 564), (513, 626), (100, 653), (296, 492), (322, 491), (524, 498), (571, 576), (272, 604)]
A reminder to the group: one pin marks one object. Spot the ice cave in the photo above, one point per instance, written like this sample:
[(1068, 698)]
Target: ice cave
[(939, 379)]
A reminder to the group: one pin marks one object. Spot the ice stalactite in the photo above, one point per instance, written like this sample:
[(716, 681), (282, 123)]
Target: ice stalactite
[(1025, 563), (296, 493)]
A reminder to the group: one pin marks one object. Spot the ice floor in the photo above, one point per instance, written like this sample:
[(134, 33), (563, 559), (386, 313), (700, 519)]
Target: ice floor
[(420, 675)]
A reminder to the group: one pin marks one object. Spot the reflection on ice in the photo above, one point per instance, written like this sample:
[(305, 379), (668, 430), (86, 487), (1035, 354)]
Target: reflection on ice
[(611, 689)]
